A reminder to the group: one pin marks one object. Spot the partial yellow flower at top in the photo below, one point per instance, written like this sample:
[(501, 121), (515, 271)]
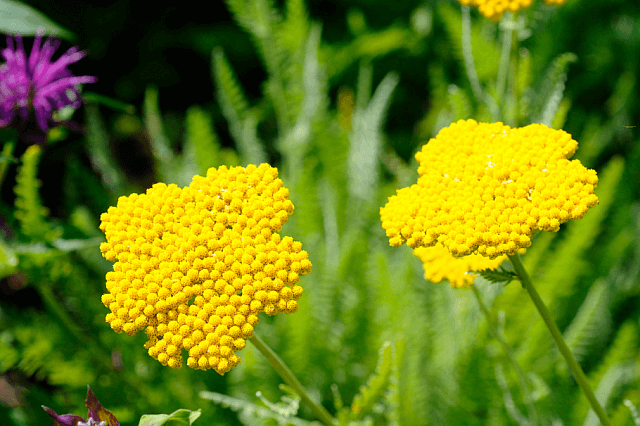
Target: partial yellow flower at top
[(195, 266), (485, 188), (494, 9), (439, 264)]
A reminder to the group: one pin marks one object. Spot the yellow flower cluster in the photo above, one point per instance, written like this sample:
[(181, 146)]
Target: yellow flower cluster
[(485, 187), (196, 265), (440, 265), (494, 9)]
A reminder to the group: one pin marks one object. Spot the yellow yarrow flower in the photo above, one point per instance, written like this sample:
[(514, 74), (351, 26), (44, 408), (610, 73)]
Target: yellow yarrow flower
[(195, 266), (485, 188), (494, 9), (439, 264)]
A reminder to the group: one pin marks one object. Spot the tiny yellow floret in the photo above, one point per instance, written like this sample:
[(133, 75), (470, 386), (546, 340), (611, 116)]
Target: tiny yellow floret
[(439, 264), (485, 188), (192, 264), (494, 9)]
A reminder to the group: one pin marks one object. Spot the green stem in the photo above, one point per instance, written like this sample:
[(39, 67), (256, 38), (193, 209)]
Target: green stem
[(531, 407), (573, 365), (470, 66), (287, 375), (505, 55)]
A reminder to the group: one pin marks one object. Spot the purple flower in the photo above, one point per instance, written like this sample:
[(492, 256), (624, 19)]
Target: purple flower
[(37, 84), (97, 415)]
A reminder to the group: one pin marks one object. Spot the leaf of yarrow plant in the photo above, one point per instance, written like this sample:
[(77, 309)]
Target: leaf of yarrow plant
[(178, 417)]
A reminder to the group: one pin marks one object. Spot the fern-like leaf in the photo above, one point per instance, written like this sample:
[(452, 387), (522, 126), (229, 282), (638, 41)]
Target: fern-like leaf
[(499, 275), (549, 93), (230, 94), (592, 323), (29, 211), (249, 410), (621, 350), (366, 140), (377, 383), (160, 145), (202, 139), (243, 123), (486, 52), (459, 103), (101, 158)]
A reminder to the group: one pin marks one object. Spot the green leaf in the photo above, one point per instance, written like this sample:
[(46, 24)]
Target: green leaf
[(202, 140), (101, 158), (112, 103), (178, 417), (17, 17), (249, 410), (590, 328), (366, 137), (459, 103), (8, 260), (77, 244), (29, 211), (499, 275), (243, 123), (376, 385), (551, 87)]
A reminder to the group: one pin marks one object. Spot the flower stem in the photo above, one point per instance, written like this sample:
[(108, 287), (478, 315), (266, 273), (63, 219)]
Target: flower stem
[(506, 25), (528, 399), (287, 375), (573, 365), (470, 67)]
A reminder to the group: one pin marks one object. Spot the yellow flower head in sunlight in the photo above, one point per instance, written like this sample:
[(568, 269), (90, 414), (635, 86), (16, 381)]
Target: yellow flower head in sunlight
[(439, 264), (485, 188), (195, 266), (494, 9)]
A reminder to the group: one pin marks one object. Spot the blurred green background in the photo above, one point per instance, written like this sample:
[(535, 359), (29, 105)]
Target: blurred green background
[(379, 82)]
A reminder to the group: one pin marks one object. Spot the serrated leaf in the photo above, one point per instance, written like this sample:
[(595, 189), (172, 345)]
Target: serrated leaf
[(201, 140), (249, 409), (549, 93), (177, 418), (366, 137), (376, 385), (499, 275), (17, 17), (101, 158)]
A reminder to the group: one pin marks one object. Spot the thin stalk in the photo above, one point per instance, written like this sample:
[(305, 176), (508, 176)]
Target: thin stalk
[(287, 375), (573, 365), (528, 399), (470, 66), (467, 53), (505, 54)]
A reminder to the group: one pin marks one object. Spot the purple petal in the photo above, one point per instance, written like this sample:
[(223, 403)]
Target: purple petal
[(63, 419), (97, 412), (35, 51)]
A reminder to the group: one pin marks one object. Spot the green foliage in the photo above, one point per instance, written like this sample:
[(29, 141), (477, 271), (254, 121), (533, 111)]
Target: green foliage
[(177, 418), (376, 384), (369, 329), (499, 275), (21, 18), (29, 209), (548, 94), (202, 145)]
